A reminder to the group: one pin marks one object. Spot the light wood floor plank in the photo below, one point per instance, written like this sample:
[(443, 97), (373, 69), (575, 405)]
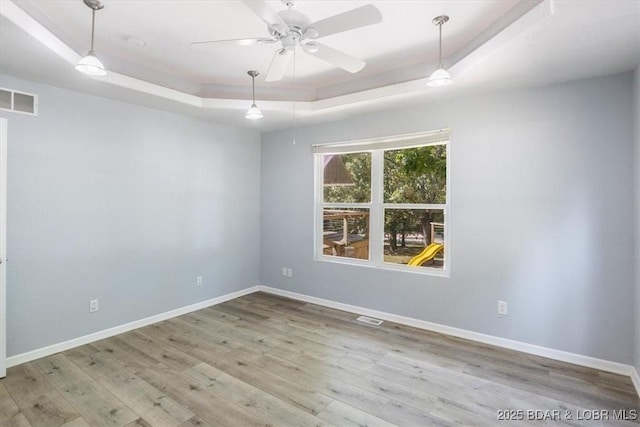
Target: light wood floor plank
[(158, 350), (339, 414), (266, 407), (96, 405), (405, 415), (195, 422), (237, 363), (197, 398), (352, 390), (140, 422), (38, 400), (152, 405), (78, 422), (10, 414)]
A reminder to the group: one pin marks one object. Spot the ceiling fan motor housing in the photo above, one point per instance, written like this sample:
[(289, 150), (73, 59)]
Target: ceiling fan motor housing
[(297, 23)]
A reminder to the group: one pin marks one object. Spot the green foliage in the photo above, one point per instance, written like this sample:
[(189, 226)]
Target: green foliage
[(359, 166), (416, 175), (412, 175)]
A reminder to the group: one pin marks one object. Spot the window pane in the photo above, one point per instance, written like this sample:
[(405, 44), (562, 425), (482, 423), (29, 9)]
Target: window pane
[(414, 237), (416, 175), (345, 233), (347, 178)]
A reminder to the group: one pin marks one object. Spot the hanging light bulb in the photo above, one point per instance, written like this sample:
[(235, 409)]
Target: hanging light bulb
[(90, 64), (440, 77), (254, 112)]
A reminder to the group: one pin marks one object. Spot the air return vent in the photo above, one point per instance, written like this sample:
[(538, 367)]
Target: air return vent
[(369, 320), (18, 102)]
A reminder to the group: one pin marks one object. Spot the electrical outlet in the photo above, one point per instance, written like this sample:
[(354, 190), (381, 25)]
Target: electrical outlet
[(289, 272), (502, 308), (284, 271), (199, 281), (93, 306)]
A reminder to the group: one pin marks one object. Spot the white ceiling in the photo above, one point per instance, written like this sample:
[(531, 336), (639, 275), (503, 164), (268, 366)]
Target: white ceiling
[(489, 45)]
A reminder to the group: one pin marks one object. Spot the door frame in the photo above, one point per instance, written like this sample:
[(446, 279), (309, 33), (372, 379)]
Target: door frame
[(3, 247)]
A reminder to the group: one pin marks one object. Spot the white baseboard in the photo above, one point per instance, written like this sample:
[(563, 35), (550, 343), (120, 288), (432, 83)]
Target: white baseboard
[(636, 380), (563, 356), (106, 333)]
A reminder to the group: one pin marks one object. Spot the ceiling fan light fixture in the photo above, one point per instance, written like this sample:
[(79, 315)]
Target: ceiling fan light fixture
[(440, 77), (90, 64), (254, 112)]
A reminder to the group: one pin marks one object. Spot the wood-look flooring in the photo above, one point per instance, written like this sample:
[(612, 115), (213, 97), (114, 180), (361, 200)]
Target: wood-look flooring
[(263, 360)]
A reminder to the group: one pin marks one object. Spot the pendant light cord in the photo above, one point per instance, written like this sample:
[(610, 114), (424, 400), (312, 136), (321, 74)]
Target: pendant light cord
[(294, 96), (440, 48), (253, 86), (93, 25)]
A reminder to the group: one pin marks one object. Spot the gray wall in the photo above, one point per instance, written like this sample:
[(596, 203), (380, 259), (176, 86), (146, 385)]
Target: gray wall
[(542, 202), (636, 96), (125, 204)]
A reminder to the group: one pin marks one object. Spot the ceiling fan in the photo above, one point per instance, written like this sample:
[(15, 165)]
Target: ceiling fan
[(294, 29)]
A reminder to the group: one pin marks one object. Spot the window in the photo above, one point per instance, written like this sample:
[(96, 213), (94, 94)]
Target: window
[(384, 202)]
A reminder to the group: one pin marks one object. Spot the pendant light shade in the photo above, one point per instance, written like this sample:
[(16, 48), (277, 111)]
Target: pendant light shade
[(440, 77), (90, 64), (254, 112)]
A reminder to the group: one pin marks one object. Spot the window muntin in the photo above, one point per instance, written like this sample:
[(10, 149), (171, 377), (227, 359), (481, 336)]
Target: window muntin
[(400, 185)]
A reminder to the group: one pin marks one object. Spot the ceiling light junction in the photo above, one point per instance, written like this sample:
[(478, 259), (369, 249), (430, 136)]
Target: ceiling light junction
[(440, 77), (90, 64), (254, 112)]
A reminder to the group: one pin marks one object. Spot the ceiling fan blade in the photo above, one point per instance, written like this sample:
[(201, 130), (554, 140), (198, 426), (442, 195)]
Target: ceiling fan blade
[(264, 11), (279, 65), (232, 42), (352, 19), (336, 57)]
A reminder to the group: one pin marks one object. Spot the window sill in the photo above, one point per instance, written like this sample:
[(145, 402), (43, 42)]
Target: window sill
[(423, 271)]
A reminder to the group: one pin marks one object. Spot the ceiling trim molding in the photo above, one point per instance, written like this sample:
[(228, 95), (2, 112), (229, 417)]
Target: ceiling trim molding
[(517, 21), (504, 29), (36, 30)]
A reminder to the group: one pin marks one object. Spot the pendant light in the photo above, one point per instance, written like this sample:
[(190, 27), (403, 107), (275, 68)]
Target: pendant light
[(440, 77), (254, 112), (90, 64)]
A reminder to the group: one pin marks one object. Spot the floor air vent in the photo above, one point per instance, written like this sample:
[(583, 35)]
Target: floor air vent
[(18, 102), (369, 320)]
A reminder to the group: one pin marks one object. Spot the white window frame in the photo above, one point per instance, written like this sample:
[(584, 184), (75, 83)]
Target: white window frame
[(376, 206)]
